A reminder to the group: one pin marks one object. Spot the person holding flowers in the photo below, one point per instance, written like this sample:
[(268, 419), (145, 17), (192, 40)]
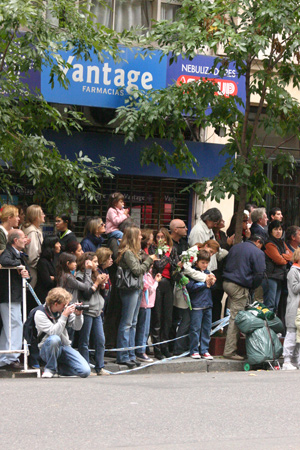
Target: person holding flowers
[(161, 318), (188, 260)]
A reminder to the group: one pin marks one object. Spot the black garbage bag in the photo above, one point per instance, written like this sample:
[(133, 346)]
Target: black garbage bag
[(247, 322), (262, 345)]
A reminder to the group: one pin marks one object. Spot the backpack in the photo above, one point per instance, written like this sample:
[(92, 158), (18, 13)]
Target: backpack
[(29, 328)]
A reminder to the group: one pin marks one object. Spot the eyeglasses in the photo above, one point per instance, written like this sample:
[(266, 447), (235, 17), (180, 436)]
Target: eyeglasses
[(182, 227)]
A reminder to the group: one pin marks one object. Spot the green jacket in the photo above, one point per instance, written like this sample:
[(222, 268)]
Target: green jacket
[(135, 265)]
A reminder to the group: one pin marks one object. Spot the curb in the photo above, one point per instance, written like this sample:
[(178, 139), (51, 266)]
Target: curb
[(182, 365)]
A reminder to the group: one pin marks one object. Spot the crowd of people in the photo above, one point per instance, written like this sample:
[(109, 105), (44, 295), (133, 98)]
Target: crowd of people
[(121, 286)]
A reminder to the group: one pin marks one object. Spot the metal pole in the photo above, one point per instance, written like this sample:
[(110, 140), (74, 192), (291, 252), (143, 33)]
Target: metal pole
[(9, 311), (24, 320)]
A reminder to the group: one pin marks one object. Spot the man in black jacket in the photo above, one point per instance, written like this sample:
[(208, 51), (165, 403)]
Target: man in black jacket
[(12, 257), (244, 270)]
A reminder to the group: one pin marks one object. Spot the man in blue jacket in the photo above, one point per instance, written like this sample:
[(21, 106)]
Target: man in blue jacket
[(244, 270)]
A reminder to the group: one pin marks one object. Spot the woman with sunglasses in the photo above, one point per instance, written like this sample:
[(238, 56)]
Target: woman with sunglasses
[(93, 230)]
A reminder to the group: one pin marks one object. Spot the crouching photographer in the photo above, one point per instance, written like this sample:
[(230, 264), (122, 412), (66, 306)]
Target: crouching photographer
[(55, 346)]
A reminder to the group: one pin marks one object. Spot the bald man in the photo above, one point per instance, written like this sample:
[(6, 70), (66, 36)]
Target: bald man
[(178, 231)]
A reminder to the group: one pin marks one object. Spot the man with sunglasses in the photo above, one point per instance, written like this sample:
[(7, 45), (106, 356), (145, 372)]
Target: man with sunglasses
[(178, 231)]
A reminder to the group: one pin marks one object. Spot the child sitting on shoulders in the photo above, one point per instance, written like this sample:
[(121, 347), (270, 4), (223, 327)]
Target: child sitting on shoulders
[(291, 347), (201, 313), (116, 214)]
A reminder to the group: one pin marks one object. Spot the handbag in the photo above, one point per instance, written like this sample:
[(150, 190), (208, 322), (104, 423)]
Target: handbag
[(126, 280)]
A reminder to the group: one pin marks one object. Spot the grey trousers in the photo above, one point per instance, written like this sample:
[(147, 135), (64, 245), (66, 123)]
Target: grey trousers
[(238, 297)]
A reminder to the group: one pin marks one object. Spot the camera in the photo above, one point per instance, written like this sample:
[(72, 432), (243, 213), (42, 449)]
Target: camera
[(82, 307)]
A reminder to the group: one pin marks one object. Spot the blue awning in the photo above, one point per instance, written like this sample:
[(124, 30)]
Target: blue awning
[(127, 157)]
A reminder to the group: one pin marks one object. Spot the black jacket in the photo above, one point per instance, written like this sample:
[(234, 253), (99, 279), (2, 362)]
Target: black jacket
[(10, 258), (45, 270)]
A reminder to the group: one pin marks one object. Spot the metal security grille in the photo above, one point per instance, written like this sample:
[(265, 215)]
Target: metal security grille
[(287, 196), (153, 201)]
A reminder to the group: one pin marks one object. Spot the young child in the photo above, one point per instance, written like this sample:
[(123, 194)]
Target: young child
[(144, 317), (92, 325), (66, 276), (105, 260), (201, 314), (116, 214), (291, 347)]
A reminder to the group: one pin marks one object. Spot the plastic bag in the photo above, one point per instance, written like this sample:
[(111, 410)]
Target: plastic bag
[(247, 322), (261, 311), (260, 347), (276, 325)]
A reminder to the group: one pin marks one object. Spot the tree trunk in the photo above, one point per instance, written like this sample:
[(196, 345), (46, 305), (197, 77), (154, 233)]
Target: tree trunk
[(240, 214)]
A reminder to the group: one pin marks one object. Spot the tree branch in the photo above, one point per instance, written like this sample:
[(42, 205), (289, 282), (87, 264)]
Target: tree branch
[(14, 136), (235, 138), (6, 49), (283, 142)]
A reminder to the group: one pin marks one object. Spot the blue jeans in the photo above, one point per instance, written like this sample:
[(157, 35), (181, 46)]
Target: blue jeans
[(94, 326), (201, 320), (16, 332), (131, 301), (142, 329), (272, 291), (63, 358), (116, 234)]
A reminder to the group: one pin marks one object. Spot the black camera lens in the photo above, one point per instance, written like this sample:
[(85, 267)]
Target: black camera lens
[(82, 307)]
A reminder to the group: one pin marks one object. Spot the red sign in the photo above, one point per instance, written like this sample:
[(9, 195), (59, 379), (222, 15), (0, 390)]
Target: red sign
[(226, 87)]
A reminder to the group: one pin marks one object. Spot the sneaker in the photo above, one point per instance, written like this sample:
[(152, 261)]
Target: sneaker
[(144, 358), (288, 366), (207, 356), (195, 356), (103, 372), (47, 374)]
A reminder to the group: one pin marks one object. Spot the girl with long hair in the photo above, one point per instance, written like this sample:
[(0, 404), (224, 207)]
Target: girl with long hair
[(46, 271), (75, 248), (34, 218), (129, 258), (161, 316), (105, 260), (66, 276), (92, 325)]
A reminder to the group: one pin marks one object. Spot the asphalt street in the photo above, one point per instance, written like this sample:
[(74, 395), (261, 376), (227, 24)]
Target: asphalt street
[(240, 410)]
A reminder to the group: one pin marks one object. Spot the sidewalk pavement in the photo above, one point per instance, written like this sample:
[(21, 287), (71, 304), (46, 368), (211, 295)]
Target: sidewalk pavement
[(180, 365)]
